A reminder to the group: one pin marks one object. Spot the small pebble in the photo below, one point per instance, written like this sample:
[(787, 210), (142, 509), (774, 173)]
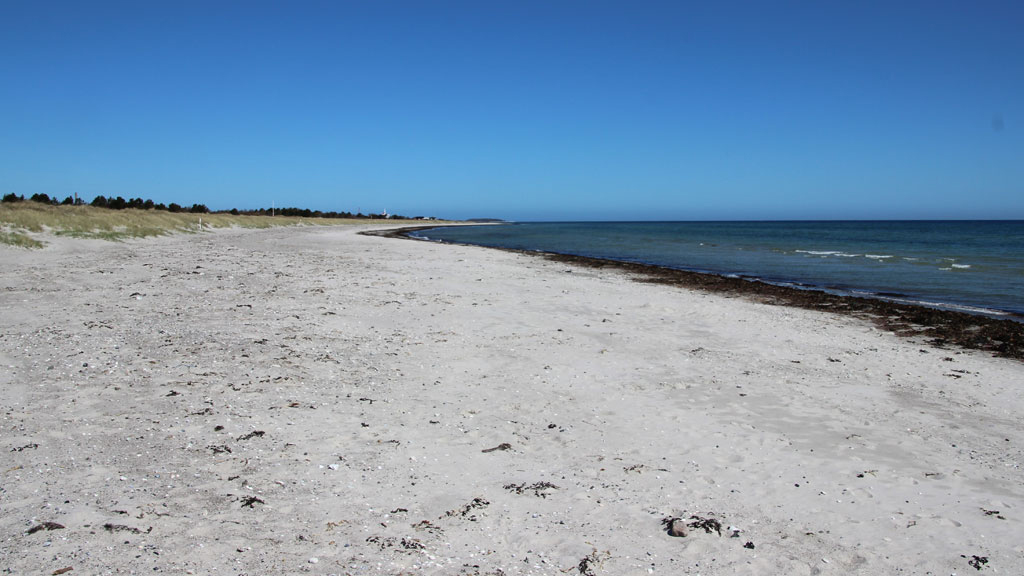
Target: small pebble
[(314, 560)]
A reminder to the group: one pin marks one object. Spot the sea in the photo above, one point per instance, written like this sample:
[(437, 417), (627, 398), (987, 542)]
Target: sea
[(971, 266)]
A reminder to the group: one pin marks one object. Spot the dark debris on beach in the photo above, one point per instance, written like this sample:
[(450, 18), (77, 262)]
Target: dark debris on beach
[(538, 488), (45, 526)]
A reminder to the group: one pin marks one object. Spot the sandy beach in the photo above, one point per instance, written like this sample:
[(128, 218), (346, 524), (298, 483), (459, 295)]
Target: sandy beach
[(313, 400)]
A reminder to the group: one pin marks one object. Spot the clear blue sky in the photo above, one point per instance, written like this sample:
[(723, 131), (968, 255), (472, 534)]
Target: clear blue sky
[(521, 110)]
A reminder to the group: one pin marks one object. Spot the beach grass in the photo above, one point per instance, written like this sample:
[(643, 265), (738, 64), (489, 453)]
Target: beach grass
[(25, 224), (19, 239)]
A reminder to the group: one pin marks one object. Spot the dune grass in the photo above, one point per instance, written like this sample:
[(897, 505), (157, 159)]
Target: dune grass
[(19, 239), (26, 223)]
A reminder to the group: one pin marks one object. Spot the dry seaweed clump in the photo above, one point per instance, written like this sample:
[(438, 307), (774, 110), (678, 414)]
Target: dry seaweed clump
[(466, 510), (676, 526), (589, 562), (538, 488)]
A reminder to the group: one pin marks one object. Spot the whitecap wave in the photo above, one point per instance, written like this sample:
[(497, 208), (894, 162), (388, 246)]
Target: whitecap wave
[(960, 266), (952, 306), (878, 256), (826, 253)]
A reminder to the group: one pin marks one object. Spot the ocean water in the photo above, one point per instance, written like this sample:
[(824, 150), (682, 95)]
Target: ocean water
[(976, 266)]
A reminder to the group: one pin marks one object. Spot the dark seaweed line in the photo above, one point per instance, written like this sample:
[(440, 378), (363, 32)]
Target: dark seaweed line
[(943, 328)]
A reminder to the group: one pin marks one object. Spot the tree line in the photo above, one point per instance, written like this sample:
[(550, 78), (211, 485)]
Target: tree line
[(119, 203)]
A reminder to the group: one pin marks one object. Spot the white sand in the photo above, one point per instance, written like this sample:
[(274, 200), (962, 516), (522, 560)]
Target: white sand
[(379, 369)]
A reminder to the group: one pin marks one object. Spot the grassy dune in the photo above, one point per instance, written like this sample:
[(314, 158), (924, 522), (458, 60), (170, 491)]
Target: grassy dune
[(26, 224)]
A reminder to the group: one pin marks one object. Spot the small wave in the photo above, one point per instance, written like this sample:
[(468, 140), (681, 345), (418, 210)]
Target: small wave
[(961, 266), (818, 252), (878, 256), (951, 306), (826, 253)]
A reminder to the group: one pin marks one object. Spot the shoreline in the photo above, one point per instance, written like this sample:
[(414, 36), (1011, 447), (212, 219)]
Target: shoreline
[(1004, 337), (312, 400)]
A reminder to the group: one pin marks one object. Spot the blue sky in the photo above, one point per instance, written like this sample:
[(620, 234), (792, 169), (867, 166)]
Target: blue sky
[(522, 110)]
